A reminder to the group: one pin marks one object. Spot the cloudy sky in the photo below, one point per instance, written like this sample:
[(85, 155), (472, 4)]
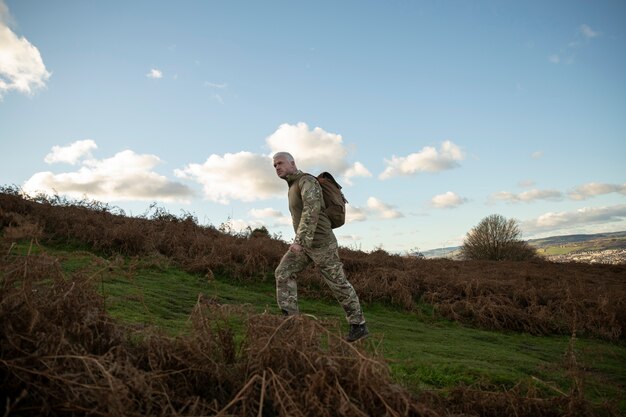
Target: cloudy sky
[(432, 114)]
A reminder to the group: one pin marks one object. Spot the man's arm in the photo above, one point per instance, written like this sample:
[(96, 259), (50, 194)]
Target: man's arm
[(311, 194)]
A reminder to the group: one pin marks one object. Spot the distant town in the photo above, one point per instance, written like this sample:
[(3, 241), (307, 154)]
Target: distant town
[(601, 248), (606, 256)]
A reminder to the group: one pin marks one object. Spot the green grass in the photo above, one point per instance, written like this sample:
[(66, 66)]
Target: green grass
[(589, 245), (557, 250), (423, 350)]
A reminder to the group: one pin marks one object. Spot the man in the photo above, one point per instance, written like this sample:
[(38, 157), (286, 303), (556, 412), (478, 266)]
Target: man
[(314, 242)]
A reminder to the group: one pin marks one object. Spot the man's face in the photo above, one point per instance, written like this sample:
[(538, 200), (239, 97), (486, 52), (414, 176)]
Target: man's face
[(284, 167)]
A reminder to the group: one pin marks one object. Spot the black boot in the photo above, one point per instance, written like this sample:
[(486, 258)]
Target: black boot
[(357, 331), (289, 313)]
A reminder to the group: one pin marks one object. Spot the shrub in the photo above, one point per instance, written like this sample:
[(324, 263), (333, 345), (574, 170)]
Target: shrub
[(496, 238)]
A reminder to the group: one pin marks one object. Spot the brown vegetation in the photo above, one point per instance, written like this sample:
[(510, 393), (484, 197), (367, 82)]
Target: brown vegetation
[(62, 355), (534, 296)]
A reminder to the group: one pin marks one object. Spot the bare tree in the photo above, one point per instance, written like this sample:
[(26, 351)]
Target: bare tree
[(496, 238)]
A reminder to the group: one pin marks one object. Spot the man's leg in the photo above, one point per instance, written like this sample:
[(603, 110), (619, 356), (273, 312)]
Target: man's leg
[(332, 269), (286, 285)]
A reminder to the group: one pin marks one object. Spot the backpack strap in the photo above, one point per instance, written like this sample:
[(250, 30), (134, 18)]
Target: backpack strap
[(317, 179)]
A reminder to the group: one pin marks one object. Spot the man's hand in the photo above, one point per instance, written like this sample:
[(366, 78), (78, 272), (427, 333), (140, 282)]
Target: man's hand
[(296, 248)]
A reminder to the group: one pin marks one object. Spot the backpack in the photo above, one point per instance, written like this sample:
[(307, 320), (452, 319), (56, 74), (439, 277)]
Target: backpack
[(333, 199)]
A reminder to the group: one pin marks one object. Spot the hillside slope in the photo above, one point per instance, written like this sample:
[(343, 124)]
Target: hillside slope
[(86, 294), (608, 248), (225, 345), (536, 297)]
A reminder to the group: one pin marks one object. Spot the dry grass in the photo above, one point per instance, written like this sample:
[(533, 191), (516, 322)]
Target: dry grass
[(62, 355), (538, 297)]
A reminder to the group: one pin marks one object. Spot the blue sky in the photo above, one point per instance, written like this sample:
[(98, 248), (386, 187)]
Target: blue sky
[(432, 114)]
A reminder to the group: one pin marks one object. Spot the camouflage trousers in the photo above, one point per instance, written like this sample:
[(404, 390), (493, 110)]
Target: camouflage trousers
[(327, 259)]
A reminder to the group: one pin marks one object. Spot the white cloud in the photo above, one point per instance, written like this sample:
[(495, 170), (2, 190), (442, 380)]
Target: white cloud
[(554, 58), (72, 153), (356, 170), (125, 176), (270, 213), (21, 66), (264, 213), (428, 159), (355, 214), (240, 225), (383, 210), (588, 32), (4, 12), (447, 200), (581, 192), (537, 155), (567, 54), (351, 238), (155, 74), (313, 149), (527, 196), (249, 176), (215, 85), (581, 217), (241, 176), (592, 189), (526, 183)]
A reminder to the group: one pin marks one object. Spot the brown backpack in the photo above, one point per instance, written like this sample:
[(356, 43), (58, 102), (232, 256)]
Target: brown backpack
[(333, 199)]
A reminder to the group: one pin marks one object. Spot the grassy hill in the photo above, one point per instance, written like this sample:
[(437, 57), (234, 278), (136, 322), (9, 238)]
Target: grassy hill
[(559, 245), (159, 316), (553, 245)]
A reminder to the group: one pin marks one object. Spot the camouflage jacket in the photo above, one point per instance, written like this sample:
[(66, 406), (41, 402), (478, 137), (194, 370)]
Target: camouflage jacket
[(306, 204)]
